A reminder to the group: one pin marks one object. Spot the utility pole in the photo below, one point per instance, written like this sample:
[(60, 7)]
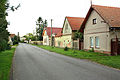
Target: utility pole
[(51, 32), (91, 2), (18, 37)]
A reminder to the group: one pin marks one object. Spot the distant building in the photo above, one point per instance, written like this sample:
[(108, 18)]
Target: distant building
[(47, 35), (11, 39)]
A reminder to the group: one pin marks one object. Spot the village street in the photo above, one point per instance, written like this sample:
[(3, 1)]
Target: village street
[(33, 63)]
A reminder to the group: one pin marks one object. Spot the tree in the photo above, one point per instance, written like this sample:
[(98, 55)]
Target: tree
[(4, 34), (29, 37), (3, 25), (41, 24), (78, 35)]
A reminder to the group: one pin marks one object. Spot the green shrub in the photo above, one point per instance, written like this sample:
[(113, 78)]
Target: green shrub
[(92, 50), (8, 47), (3, 45), (66, 49), (15, 42)]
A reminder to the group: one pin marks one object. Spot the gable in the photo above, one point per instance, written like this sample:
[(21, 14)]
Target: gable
[(110, 14), (44, 33), (66, 27), (100, 25)]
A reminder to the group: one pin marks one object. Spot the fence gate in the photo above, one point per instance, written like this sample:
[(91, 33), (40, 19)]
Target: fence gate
[(81, 45), (115, 47)]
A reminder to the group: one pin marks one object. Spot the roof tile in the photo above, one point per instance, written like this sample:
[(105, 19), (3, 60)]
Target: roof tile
[(75, 22), (110, 14), (55, 30)]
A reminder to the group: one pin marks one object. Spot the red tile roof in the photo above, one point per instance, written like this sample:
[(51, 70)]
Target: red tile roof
[(59, 33), (75, 22), (12, 35), (111, 15), (55, 30)]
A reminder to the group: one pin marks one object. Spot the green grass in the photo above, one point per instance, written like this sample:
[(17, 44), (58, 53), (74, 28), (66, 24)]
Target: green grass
[(112, 61), (5, 63)]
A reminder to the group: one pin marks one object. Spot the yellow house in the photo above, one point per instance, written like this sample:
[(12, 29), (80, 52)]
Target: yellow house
[(65, 37), (102, 29)]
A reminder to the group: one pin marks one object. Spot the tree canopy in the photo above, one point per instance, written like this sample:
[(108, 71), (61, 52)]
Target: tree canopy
[(4, 34), (39, 30)]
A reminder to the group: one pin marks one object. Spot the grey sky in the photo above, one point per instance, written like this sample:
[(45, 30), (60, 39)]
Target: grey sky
[(23, 20)]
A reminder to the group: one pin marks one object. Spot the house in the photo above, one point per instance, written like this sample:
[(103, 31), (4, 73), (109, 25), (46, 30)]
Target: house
[(58, 39), (70, 26), (11, 39), (47, 35), (102, 29)]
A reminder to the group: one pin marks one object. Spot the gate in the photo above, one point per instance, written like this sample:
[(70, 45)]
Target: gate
[(81, 45), (115, 47)]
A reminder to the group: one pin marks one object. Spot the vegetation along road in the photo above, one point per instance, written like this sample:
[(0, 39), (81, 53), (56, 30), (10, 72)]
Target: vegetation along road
[(34, 63)]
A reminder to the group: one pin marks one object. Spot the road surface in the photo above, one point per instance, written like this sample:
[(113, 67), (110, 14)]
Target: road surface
[(33, 63)]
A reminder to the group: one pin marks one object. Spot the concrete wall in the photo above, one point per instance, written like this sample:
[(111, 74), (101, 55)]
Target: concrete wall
[(45, 40), (101, 30), (114, 33), (37, 42), (64, 41)]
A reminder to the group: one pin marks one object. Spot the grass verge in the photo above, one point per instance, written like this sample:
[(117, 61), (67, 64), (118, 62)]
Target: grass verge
[(5, 63), (111, 61)]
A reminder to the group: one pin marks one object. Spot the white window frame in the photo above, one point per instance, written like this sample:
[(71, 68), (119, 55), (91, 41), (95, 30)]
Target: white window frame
[(97, 42), (91, 42), (94, 21)]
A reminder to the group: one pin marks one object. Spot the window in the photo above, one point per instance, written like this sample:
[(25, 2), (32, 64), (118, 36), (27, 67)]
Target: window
[(94, 21), (91, 41), (97, 42)]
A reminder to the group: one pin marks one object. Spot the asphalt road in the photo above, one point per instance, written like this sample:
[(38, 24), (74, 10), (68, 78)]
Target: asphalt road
[(33, 63)]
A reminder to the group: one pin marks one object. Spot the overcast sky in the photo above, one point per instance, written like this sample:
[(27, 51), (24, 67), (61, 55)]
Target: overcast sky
[(23, 20)]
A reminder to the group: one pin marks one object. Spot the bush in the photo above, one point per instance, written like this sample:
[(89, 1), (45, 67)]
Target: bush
[(35, 43), (8, 47), (3, 45), (66, 49), (92, 50), (15, 42)]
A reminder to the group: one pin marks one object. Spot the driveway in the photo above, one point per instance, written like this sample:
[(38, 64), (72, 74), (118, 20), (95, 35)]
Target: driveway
[(33, 63)]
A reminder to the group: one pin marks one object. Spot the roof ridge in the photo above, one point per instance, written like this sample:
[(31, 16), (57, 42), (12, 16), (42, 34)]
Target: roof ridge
[(73, 17), (53, 27), (106, 6)]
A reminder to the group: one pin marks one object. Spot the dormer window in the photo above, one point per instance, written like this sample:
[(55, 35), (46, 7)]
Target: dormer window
[(95, 21)]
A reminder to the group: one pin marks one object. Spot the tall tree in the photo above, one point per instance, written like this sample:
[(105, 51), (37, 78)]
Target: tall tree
[(4, 34), (39, 30), (3, 25)]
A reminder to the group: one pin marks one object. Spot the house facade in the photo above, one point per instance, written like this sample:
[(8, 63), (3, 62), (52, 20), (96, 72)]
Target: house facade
[(70, 26), (101, 29), (11, 39), (47, 35)]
